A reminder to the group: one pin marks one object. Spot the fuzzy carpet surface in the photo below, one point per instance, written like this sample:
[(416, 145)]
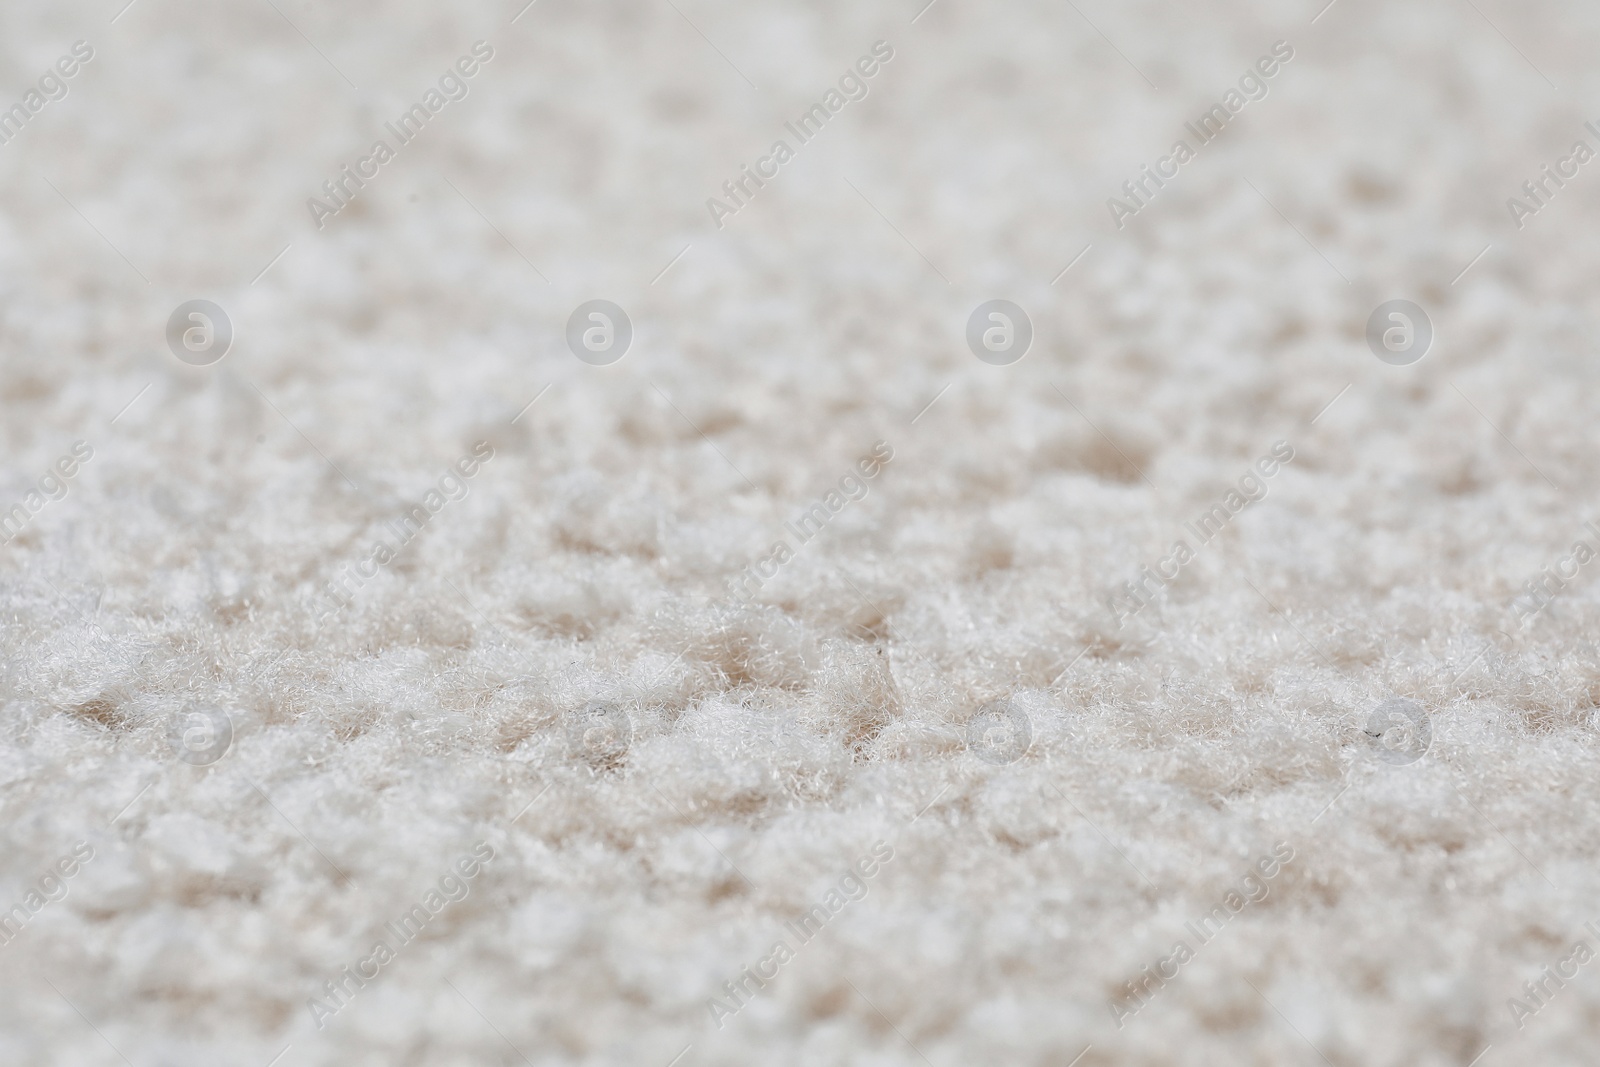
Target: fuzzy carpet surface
[(581, 747)]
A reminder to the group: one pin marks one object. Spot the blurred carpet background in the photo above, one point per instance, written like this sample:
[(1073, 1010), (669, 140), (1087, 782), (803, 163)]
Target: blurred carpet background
[(665, 776)]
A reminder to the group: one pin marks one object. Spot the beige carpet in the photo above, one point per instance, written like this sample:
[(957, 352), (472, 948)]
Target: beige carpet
[(799, 688)]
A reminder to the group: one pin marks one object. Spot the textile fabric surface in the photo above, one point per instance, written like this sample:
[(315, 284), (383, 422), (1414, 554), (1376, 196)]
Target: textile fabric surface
[(798, 659)]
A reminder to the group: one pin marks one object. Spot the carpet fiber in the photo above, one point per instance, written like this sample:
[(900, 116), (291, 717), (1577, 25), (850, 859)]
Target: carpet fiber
[(815, 684)]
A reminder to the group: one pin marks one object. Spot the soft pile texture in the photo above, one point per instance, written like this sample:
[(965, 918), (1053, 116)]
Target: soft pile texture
[(473, 690)]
